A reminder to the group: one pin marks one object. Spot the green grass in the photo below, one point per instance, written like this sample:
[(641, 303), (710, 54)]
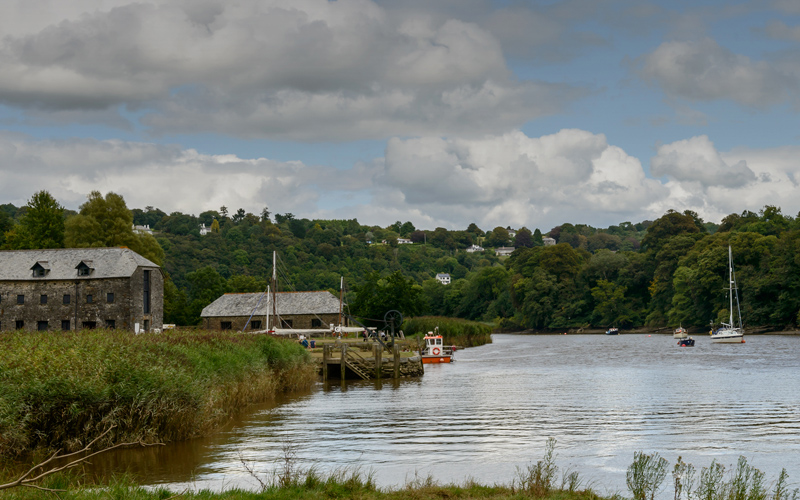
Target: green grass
[(62, 389), (455, 331)]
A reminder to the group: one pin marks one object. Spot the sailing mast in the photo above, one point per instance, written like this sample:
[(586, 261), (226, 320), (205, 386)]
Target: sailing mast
[(730, 283), (274, 286), (341, 299)]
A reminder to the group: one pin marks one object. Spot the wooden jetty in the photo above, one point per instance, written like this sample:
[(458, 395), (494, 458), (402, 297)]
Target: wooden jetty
[(368, 361)]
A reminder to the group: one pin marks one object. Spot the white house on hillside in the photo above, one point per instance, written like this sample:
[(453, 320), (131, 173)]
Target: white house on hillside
[(548, 242), (443, 278)]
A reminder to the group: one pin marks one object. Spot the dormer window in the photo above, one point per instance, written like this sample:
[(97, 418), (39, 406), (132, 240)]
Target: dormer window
[(84, 268), (40, 269)]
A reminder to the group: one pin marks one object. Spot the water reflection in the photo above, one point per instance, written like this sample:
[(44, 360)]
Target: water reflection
[(602, 398)]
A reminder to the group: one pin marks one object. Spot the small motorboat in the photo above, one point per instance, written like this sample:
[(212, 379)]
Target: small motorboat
[(612, 331), (434, 351), (687, 342), (680, 333)]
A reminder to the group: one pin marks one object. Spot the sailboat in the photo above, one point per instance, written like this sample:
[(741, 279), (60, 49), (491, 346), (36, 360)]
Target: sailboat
[(730, 333)]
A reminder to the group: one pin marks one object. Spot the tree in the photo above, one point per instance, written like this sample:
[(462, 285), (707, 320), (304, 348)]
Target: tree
[(42, 225), (524, 238), (375, 296), (499, 237), (107, 222)]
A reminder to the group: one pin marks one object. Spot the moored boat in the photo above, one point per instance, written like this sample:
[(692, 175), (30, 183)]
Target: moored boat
[(612, 331), (730, 333), (680, 333), (687, 342), (434, 350)]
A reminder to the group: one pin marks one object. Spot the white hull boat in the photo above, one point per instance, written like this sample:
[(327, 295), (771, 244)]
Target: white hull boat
[(730, 333)]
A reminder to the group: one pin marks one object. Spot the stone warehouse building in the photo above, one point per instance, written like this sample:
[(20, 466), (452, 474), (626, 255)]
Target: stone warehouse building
[(296, 310), (80, 288)]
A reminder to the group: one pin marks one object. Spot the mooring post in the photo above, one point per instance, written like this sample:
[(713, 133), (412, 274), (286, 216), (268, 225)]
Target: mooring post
[(344, 361), (396, 353), (377, 350), (325, 350)]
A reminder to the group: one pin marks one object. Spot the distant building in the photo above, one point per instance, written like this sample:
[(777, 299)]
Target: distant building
[(80, 288), (548, 242), (203, 229), (474, 248), (142, 229), (297, 310), (443, 278), (504, 251), (403, 241), (512, 233)]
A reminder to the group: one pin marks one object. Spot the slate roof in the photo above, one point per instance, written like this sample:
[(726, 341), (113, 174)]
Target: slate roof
[(288, 303), (61, 263)]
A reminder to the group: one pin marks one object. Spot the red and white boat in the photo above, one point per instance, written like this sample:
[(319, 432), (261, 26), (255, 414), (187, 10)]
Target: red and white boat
[(434, 350)]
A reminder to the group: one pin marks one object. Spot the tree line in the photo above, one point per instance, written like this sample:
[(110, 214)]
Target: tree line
[(665, 272)]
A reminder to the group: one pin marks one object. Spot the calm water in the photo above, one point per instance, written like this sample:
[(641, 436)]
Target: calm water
[(601, 397)]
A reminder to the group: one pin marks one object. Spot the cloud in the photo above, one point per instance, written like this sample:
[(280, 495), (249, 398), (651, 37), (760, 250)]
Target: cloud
[(519, 180), (781, 31), (704, 71), (509, 179), (696, 160), (715, 183), (309, 70)]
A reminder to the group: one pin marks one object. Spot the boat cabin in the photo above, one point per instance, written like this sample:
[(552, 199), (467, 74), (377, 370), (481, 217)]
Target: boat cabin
[(434, 350)]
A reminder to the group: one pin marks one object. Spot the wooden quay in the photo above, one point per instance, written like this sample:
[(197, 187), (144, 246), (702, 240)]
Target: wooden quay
[(344, 359)]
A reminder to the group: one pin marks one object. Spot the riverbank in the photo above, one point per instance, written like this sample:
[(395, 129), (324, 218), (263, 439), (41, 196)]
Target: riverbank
[(454, 331), (59, 390)]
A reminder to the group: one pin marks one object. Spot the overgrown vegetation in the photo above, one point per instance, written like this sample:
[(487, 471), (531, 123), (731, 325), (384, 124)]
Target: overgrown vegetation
[(454, 331), (61, 389)]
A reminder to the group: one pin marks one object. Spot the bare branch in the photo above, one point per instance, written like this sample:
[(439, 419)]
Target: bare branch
[(26, 480)]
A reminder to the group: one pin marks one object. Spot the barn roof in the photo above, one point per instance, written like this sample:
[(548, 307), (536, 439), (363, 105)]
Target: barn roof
[(63, 263), (288, 303)]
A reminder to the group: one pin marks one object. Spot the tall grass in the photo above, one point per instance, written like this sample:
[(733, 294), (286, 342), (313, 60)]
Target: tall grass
[(455, 331), (61, 389)]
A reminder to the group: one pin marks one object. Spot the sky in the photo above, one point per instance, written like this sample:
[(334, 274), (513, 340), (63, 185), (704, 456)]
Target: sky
[(438, 112)]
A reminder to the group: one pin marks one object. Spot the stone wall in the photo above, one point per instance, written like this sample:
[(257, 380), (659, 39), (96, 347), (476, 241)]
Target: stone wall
[(82, 303)]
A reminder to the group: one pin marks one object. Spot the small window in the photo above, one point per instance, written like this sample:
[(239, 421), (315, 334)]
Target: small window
[(65, 322), (146, 325), (89, 325), (89, 298), (255, 324), (20, 324), (225, 325), (110, 298), (286, 323), (20, 299), (41, 326), (43, 299), (84, 271), (66, 299), (38, 272), (316, 323), (111, 324)]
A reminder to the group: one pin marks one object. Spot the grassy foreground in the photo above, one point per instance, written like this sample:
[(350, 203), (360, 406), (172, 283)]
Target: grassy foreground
[(454, 330), (62, 389)]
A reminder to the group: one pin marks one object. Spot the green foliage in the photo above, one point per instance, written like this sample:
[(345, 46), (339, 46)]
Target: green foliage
[(375, 296), (41, 226), (646, 475), (107, 222), (454, 331), (62, 389)]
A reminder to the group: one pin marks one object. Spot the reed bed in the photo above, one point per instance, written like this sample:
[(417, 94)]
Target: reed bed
[(59, 390), (454, 331)]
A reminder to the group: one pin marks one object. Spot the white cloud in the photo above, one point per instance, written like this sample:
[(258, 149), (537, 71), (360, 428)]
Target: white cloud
[(696, 160), (781, 31), (716, 184), (307, 70), (703, 70), (511, 179)]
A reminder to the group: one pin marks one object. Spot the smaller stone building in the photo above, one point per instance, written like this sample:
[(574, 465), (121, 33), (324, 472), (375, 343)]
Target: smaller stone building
[(80, 288), (295, 310)]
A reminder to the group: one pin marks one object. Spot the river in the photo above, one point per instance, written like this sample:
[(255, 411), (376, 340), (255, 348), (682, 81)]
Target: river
[(491, 412)]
